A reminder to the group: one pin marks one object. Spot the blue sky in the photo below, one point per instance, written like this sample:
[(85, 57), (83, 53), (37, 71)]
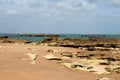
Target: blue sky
[(60, 16)]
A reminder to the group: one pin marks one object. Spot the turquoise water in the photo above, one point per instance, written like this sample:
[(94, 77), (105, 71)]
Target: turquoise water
[(17, 36)]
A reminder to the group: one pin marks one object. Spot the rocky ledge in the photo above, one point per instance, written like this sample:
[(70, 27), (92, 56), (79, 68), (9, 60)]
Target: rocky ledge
[(91, 42), (6, 39), (97, 62)]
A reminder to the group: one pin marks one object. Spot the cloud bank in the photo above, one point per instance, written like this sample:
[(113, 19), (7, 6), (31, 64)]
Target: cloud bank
[(115, 2), (51, 7), (66, 16), (47, 7)]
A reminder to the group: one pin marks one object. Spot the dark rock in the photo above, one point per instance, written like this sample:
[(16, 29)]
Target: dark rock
[(3, 37), (77, 65), (28, 41), (39, 35), (6, 39), (117, 70)]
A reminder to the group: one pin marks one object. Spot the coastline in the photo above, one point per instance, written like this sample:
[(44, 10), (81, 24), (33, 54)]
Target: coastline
[(40, 37), (16, 65)]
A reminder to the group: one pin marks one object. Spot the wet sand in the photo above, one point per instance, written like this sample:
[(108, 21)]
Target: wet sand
[(13, 68)]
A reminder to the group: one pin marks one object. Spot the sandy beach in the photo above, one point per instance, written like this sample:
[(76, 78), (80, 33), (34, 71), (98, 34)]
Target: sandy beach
[(59, 39), (13, 68)]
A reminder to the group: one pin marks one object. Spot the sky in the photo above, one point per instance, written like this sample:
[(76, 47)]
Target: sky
[(60, 16)]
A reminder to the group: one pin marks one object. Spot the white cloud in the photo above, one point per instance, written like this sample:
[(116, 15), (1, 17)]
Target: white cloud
[(115, 2), (12, 12), (49, 7), (65, 7), (7, 1)]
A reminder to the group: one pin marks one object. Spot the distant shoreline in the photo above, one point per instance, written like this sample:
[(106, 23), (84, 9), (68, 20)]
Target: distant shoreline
[(42, 36)]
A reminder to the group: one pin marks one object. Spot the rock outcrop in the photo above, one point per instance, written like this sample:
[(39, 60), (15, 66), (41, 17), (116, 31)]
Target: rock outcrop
[(96, 62), (6, 39), (91, 44)]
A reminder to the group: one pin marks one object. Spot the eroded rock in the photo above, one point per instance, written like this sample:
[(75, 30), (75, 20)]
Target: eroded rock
[(51, 57), (30, 57), (67, 54)]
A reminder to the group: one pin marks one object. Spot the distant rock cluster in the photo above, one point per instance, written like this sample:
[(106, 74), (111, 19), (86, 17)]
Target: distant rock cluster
[(74, 42), (91, 44), (39, 35), (6, 39)]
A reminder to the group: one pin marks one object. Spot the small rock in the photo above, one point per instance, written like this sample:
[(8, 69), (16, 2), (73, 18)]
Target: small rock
[(104, 78), (52, 51), (116, 69), (51, 57), (67, 54), (32, 56)]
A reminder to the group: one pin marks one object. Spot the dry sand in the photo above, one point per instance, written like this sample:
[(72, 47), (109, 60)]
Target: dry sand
[(13, 68)]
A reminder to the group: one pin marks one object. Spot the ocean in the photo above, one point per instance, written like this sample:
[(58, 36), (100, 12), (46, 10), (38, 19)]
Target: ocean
[(85, 36)]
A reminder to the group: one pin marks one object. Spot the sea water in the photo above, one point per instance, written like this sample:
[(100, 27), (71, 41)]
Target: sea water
[(85, 36)]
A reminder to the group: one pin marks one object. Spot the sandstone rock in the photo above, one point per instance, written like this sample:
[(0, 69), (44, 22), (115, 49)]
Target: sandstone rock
[(83, 48), (32, 56), (116, 69), (54, 51), (83, 56), (51, 57), (67, 54), (77, 64), (103, 78), (104, 62), (67, 65), (50, 50)]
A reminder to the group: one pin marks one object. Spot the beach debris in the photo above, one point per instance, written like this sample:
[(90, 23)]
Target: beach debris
[(51, 57), (67, 54)]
